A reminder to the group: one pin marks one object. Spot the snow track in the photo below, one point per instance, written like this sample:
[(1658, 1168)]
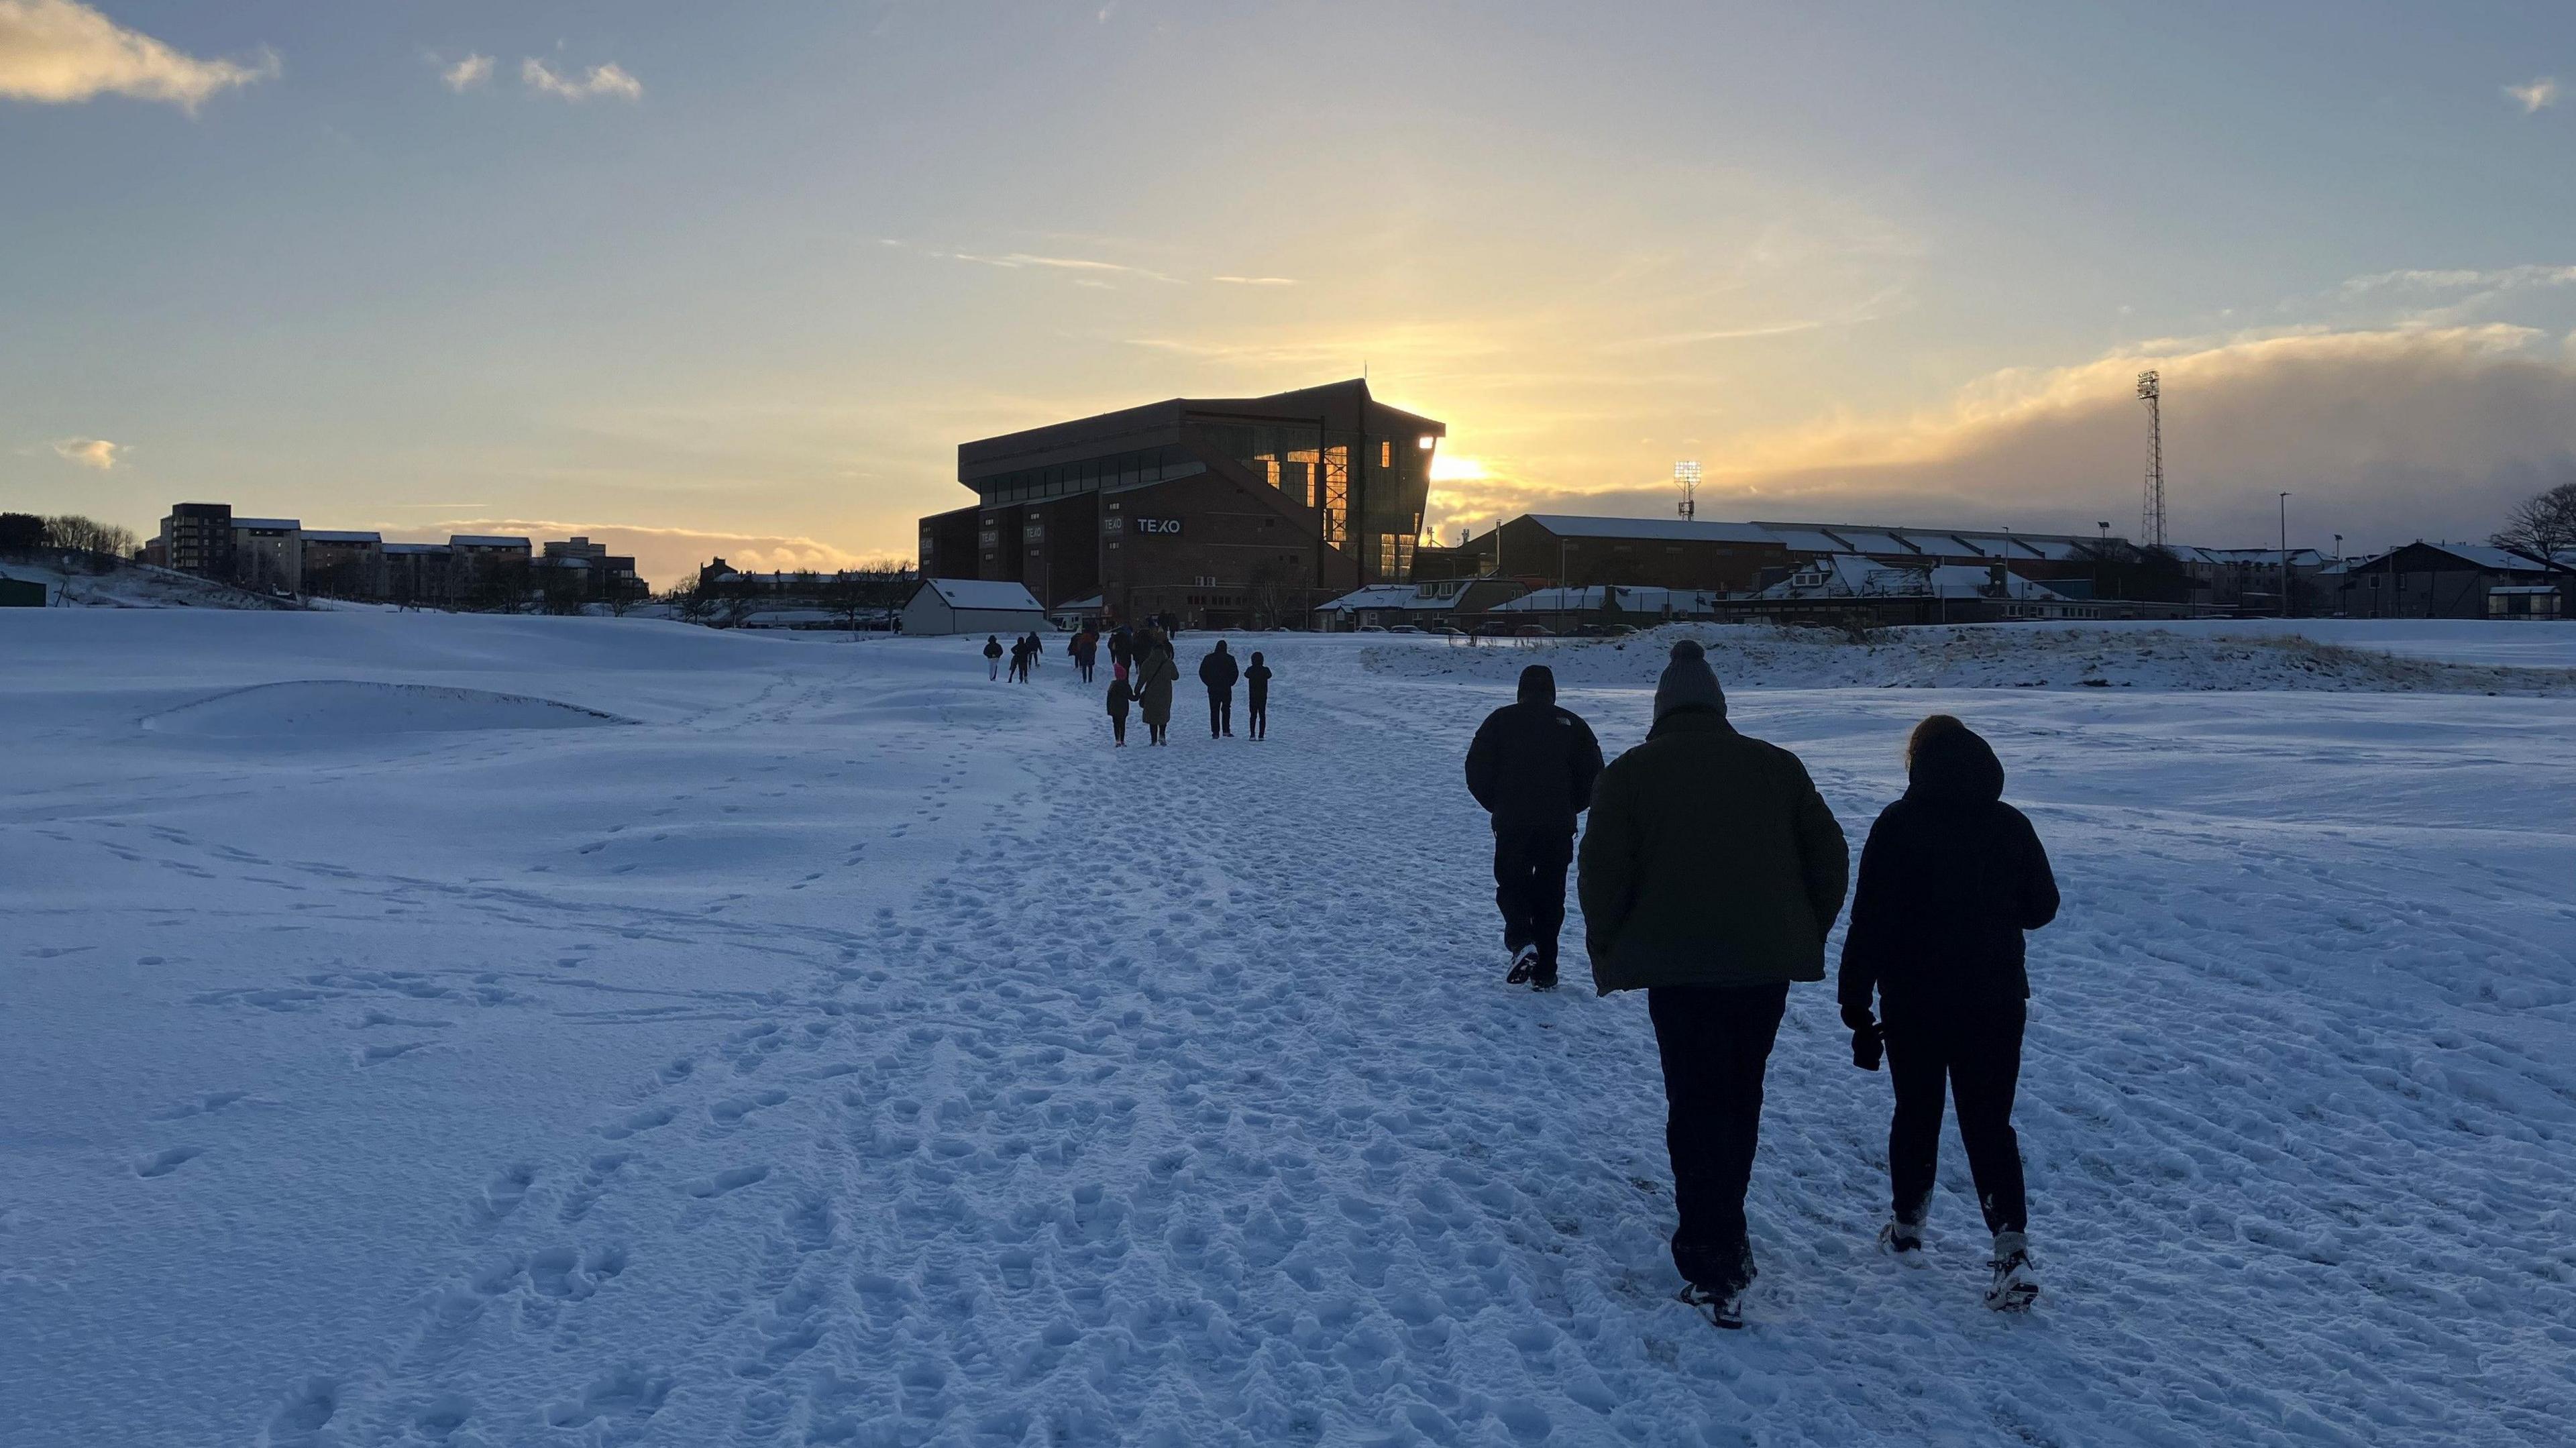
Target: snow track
[(896, 1063)]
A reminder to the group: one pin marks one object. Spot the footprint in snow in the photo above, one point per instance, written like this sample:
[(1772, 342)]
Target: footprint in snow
[(162, 1163)]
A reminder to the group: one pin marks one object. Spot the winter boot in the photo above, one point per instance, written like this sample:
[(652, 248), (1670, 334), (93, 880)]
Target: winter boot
[(1902, 1238), (2016, 1285), (1524, 965), (1722, 1309), (1544, 976)]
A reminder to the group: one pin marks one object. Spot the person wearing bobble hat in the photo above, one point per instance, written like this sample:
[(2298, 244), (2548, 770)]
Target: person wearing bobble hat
[(1709, 877)]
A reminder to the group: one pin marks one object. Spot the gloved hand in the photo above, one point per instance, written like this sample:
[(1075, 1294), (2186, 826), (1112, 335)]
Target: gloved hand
[(1868, 1044)]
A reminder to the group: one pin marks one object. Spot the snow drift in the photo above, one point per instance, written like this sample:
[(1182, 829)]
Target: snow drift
[(351, 710)]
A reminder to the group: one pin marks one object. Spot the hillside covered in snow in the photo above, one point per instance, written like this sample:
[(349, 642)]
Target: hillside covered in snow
[(471, 1030)]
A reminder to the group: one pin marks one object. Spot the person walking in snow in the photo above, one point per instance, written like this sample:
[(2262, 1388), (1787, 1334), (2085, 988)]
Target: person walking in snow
[(1949, 880), (1532, 766), (1122, 647), (1085, 650), (1120, 696), (993, 656), (1710, 874), (1154, 680), (1218, 672), (1256, 698), (1020, 660)]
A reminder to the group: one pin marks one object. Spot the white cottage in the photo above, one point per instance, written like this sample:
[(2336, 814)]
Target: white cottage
[(971, 606)]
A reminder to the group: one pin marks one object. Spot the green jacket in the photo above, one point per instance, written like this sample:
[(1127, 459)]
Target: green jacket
[(1710, 860)]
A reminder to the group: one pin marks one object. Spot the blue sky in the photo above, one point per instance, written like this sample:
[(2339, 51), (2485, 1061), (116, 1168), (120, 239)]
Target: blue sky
[(738, 278)]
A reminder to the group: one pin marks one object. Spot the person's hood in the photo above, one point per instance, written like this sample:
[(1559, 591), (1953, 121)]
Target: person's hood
[(1956, 765), (1538, 685), (1688, 683), (1220, 646), (1256, 657)]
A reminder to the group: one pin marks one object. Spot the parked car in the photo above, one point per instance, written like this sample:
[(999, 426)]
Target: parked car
[(1402, 628), (1446, 632), (1607, 630), (1369, 628), (1532, 631)]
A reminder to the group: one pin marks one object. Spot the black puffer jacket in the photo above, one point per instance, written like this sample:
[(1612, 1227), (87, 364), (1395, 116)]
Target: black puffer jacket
[(1532, 765), (1949, 880)]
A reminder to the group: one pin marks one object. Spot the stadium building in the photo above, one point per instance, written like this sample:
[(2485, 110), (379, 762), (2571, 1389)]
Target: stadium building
[(1216, 512)]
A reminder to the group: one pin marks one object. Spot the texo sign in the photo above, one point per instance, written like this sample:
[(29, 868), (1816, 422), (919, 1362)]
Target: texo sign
[(1158, 525)]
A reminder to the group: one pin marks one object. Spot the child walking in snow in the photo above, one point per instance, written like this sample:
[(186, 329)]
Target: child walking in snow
[(993, 656), (1119, 698), (1256, 699), (1949, 880)]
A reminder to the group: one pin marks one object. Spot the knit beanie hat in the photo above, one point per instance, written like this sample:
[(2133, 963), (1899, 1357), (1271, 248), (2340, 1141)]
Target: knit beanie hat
[(1688, 682)]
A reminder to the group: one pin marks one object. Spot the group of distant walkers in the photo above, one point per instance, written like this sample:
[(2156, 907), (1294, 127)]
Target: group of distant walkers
[(1142, 672), (1710, 875)]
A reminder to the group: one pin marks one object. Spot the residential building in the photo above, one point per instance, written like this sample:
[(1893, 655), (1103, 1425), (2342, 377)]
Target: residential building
[(198, 538), (268, 554), (342, 564)]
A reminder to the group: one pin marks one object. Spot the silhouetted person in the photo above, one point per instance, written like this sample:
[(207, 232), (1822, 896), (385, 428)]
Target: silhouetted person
[(993, 656), (1119, 697), (1085, 649), (1711, 872), (1218, 672), (1949, 880), (1256, 698), (1531, 766), (1154, 680)]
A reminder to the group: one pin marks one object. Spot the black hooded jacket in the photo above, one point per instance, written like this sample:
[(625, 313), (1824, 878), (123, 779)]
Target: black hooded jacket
[(1949, 880), (1218, 670), (1532, 764)]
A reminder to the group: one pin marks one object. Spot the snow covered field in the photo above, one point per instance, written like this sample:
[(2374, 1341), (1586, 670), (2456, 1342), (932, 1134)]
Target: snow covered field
[(466, 1030)]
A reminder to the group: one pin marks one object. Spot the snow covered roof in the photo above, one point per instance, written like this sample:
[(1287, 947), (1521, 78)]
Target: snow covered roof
[(2299, 557), (1675, 530), (484, 540), (2490, 559), (1589, 599), (1902, 542), (1382, 595), (982, 593), (319, 535), (418, 548), (1847, 575), (272, 525)]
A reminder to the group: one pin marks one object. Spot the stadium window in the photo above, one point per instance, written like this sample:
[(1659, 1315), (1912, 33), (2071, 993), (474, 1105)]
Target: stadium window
[(1385, 453)]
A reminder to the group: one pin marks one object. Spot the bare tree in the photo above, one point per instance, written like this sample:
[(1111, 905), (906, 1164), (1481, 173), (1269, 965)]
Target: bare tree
[(88, 535), (1271, 592), (2542, 525)]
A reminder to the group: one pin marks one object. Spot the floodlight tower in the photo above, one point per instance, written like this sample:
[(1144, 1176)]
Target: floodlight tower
[(2151, 518), (1686, 473)]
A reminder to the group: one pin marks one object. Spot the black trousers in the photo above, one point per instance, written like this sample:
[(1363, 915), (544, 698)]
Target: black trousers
[(1157, 733), (1220, 713), (1118, 727), (1715, 1042), (1256, 717), (1529, 885), (1975, 1050)]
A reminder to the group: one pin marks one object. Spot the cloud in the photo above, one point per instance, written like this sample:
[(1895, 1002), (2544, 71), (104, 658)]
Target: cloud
[(89, 452), (603, 80), (465, 74), (2381, 436), (664, 556), (1018, 259), (2535, 96), (2463, 279), (1256, 281), (61, 51), (1867, 311)]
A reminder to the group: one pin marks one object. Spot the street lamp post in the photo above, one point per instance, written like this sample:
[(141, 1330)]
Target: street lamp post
[(2285, 555)]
